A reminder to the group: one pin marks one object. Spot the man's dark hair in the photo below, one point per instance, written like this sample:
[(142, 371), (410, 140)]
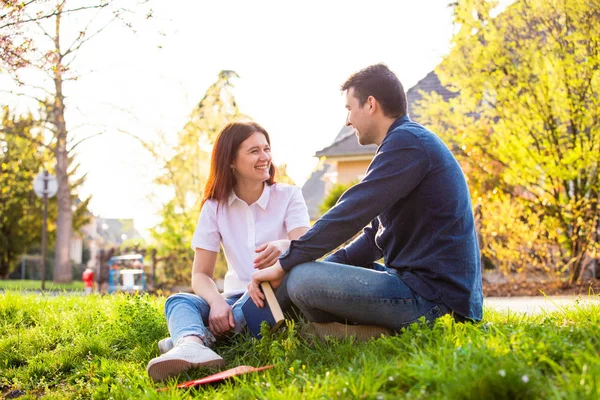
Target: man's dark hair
[(378, 81)]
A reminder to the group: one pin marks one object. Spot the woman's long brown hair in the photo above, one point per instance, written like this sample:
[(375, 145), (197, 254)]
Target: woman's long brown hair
[(221, 179)]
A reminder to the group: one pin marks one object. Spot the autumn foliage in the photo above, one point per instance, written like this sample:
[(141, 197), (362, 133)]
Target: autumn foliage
[(526, 128)]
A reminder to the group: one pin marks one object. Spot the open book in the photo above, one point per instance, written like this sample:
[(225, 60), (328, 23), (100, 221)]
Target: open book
[(271, 312)]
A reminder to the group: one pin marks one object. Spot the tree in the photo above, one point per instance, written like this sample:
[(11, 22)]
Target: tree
[(527, 120), (185, 169), (20, 208), (12, 50), (282, 176), (44, 36)]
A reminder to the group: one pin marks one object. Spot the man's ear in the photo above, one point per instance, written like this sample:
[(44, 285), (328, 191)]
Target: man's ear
[(373, 104)]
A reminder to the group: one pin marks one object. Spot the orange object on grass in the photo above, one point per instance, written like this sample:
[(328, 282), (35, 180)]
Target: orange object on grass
[(220, 376)]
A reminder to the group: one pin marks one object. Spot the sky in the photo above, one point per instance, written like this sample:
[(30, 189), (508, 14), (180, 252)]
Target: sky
[(291, 57)]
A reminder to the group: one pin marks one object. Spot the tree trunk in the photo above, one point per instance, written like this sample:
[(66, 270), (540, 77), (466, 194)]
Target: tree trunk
[(62, 261), (576, 269)]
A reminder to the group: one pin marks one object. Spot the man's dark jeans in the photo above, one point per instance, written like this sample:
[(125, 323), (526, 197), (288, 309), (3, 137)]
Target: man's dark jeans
[(332, 292)]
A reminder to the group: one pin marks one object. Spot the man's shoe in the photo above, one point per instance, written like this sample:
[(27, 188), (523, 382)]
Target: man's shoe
[(165, 345), (342, 331), (185, 356)]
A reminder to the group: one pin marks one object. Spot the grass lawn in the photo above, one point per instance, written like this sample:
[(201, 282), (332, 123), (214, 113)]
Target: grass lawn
[(98, 347), (18, 284)]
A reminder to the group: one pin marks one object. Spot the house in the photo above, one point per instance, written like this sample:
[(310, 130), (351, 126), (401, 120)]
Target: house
[(345, 161), (101, 233)]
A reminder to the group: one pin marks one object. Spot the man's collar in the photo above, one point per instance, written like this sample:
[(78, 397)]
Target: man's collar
[(262, 201), (399, 121)]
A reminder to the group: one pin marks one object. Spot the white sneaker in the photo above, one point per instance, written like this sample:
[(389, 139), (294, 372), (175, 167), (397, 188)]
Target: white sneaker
[(165, 345), (182, 357)]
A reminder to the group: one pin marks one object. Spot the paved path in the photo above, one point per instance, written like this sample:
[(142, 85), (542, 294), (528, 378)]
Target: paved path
[(538, 304)]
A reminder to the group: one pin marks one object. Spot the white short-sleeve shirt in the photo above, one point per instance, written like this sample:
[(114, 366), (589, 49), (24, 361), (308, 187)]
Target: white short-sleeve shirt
[(240, 228)]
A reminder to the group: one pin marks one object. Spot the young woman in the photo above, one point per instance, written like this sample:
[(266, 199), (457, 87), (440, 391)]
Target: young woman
[(254, 219)]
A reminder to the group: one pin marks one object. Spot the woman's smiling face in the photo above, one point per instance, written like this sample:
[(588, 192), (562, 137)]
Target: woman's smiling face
[(253, 159)]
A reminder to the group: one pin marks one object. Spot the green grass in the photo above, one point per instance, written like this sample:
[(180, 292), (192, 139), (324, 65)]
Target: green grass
[(18, 284), (98, 347)]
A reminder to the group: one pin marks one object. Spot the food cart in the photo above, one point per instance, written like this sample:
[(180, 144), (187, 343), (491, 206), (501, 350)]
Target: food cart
[(126, 274)]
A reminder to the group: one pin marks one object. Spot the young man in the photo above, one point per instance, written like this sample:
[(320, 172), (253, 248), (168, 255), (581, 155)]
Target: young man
[(416, 199)]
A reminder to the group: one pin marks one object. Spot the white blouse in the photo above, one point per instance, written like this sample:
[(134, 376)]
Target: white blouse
[(241, 228)]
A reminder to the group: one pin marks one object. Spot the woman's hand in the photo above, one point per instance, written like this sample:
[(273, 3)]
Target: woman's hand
[(257, 296), (273, 274), (270, 252), (220, 318)]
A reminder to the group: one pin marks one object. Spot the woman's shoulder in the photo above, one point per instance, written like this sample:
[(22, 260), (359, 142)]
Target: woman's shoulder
[(212, 203), (209, 205)]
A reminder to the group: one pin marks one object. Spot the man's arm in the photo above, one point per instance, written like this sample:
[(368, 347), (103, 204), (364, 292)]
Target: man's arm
[(270, 251), (398, 167), (362, 251)]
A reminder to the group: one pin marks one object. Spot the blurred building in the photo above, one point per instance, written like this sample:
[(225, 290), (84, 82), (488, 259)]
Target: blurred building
[(105, 233)]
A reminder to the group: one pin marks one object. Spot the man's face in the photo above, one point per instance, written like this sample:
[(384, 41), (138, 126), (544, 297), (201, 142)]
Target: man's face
[(359, 118)]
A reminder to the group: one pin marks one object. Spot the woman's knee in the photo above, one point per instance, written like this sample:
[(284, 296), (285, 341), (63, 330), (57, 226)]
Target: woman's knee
[(184, 298)]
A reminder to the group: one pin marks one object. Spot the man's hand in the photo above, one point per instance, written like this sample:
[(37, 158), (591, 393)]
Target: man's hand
[(220, 318), (270, 252), (273, 274)]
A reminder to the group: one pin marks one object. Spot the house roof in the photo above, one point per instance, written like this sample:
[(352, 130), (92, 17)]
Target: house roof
[(313, 190), (431, 83), (345, 143), (112, 230)]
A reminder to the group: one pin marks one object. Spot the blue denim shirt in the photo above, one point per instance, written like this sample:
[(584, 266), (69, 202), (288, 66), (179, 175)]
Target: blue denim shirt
[(416, 199)]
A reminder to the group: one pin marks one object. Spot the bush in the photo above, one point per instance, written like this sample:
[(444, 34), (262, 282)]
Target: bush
[(334, 195)]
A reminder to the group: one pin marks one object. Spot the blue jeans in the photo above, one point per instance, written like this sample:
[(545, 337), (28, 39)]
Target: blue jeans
[(332, 292), (187, 314)]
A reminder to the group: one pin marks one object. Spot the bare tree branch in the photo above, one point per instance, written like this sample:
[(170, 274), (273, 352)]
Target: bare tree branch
[(83, 140), (82, 38), (122, 110), (22, 95), (44, 31), (147, 145), (72, 50), (85, 124), (22, 7), (43, 89), (52, 14)]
